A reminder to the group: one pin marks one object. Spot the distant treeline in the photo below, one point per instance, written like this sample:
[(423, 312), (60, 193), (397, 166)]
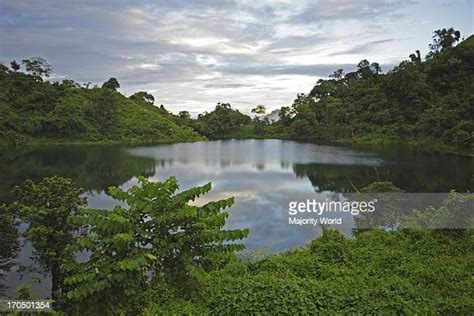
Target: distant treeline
[(429, 103), (425, 102)]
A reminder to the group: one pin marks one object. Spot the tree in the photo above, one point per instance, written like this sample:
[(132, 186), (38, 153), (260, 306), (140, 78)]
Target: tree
[(338, 74), (223, 106), (259, 109), (15, 66), (375, 67), (157, 238), (104, 107), (363, 69), (143, 96), (68, 83), (443, 39), (285, 115), (9, 241), (112, 84), (48, 208), (38, 67), (416, 58), (184, 115), (323, 88)]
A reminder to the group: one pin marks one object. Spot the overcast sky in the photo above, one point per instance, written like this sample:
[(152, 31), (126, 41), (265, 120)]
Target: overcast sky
[(191, 54)]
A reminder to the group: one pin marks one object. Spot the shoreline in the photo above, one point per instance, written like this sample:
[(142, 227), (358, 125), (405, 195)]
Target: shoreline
[(422, 146)]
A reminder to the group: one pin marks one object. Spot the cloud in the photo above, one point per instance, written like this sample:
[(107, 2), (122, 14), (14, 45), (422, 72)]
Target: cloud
[(194, 53), (314, 70), (364, 47)]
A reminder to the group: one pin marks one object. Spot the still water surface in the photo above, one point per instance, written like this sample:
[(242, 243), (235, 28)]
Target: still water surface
[(260, 174)]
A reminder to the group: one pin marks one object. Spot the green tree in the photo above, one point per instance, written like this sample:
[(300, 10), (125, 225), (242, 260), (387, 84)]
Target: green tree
[(416, 58), (375, 67), (104, 107), (337, 75), (68, 83), (38, 67), (443, 39), (159, 237), (143, 96), (112, 84), (9, 237), (14, 66), (184, 115), (259, 109), (285, 115), (48, 207)]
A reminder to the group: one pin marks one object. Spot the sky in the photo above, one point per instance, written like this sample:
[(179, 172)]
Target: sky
[(191, 54)]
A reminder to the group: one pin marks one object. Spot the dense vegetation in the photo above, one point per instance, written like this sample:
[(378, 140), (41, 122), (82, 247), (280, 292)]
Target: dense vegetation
[(164, 254), (428, 103), (33, 110)]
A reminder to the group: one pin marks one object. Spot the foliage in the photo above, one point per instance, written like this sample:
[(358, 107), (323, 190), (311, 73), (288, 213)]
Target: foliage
[(159, 238), (443, 39), (451, 217), (381, 186), (161, 252), (104, 108), (48, 207), (14, 65), (32, 110), (184, 115), (388, 213), (428, 103), (377, 273), (223, 122), (417, 102), (111, 84), (37, 66), (259, 109), (24, 292), (9, 237), (143, 96)]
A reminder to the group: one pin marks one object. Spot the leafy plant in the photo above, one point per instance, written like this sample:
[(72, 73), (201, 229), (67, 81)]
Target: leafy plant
[(48, 207), (159, 237)]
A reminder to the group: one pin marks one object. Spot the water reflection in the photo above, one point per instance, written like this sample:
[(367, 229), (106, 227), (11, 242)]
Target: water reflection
[(94, 168), (260, 174), (8, 246)]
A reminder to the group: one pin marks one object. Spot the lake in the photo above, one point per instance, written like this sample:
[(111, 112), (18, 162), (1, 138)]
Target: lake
[(260, 174)]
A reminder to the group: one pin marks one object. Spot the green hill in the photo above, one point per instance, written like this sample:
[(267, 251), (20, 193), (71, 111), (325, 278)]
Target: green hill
[(428, 103), (468, 42), (37, 111), (424, 102)]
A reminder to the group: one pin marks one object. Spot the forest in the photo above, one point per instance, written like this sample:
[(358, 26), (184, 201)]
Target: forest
[(427, 102)]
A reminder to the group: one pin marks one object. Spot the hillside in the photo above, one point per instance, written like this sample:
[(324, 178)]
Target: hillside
[(427, 102), (33, 110), (468, 42)]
